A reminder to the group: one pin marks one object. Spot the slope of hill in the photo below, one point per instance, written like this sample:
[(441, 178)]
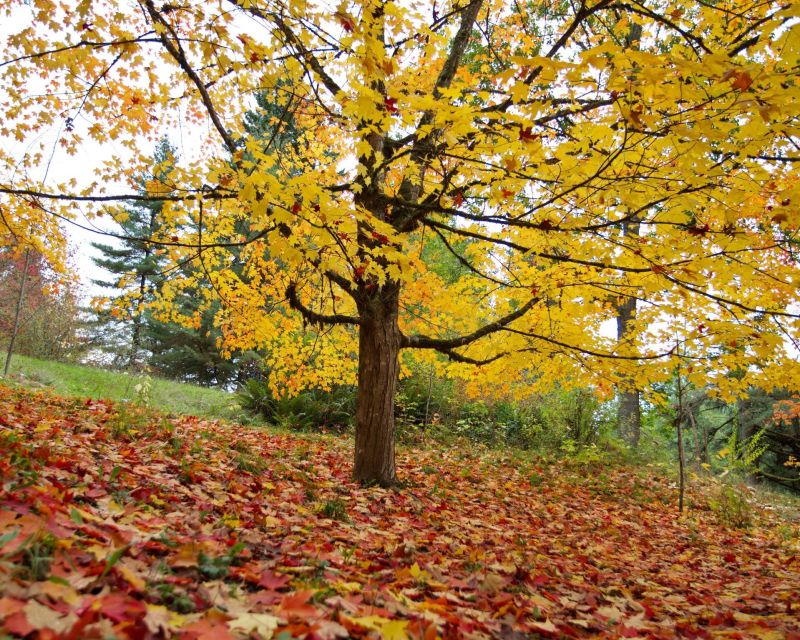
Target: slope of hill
[(120, 522), (94, 382)]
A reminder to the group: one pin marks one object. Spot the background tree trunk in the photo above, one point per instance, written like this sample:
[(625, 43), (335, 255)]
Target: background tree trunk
[(629, 413), (629, 416), (378, 371)]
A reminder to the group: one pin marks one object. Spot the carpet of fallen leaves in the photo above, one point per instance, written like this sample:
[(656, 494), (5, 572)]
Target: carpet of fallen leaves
[(117, 522)]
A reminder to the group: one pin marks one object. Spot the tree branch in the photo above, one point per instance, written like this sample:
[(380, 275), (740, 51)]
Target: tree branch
[(312, 316), (176, 51), (307, 57), (205, 194), (458, 48), (421, 150), (457, 357), (447, 344), (588, 352)]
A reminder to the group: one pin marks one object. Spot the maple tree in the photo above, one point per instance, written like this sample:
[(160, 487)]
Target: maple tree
[(567, 170), (120, 522)]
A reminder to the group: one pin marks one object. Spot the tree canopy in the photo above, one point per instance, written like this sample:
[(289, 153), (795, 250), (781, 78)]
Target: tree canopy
[(524, 138)]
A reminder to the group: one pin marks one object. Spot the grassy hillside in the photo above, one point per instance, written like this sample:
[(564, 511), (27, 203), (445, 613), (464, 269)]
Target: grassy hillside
[(92, 382), (121, 522)]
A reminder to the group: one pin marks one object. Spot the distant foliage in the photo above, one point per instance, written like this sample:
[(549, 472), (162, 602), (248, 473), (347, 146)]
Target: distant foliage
[(756, 437), (563, 420), (50, 317)]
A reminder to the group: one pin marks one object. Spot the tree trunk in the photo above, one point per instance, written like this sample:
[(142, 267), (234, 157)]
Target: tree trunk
[(629, 416), (378, 370)]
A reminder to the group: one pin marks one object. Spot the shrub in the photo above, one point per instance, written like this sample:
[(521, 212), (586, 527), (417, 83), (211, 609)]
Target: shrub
[(731, 507), (572, 419), (310, 409), (424, 399)]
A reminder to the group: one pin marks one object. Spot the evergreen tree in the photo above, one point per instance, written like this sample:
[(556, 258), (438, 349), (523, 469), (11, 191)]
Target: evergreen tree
[(137, 268), (132, 332), (135, 336)]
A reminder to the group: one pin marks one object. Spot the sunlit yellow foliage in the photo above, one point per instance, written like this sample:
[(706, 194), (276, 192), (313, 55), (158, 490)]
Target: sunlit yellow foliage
[(522, 149)]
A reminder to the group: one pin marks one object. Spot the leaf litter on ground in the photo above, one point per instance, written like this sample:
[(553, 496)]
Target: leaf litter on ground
[(119, 522)]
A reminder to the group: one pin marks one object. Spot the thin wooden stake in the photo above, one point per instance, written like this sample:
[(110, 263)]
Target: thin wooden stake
[(18, 311)]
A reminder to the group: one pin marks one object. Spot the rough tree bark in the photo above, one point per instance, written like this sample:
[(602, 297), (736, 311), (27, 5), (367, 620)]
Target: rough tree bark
[(629, 416), (629, 413), (378, 370)]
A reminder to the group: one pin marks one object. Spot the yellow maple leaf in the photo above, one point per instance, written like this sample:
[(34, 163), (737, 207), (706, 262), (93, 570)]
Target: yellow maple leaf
[(261, 623)]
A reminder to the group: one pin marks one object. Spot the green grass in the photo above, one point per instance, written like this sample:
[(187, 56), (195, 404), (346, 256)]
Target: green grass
[(92, 382)]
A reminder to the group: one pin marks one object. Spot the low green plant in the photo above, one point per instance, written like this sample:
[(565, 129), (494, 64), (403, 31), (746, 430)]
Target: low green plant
[(311, 409), (217, 567), (143, 390), (335, 509), (23, 465), (562, 422), (173, 598), (731, 506), (424, 400), (37, 556), (250, 463), (741, 457)]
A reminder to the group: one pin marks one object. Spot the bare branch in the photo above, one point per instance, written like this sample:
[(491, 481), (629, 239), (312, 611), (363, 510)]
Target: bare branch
[(80, 44)]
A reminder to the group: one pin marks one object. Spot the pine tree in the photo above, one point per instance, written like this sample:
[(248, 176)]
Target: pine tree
[(136, 335), (137, 267)]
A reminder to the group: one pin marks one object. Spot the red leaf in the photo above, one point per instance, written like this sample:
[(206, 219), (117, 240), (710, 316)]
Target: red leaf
[(698, 231), (18, 624), (526, 135), (119, 607), (296, 605), (274, 581), (779, 217), (741, 80), (346, 21), (206, 630), (390, 104)]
